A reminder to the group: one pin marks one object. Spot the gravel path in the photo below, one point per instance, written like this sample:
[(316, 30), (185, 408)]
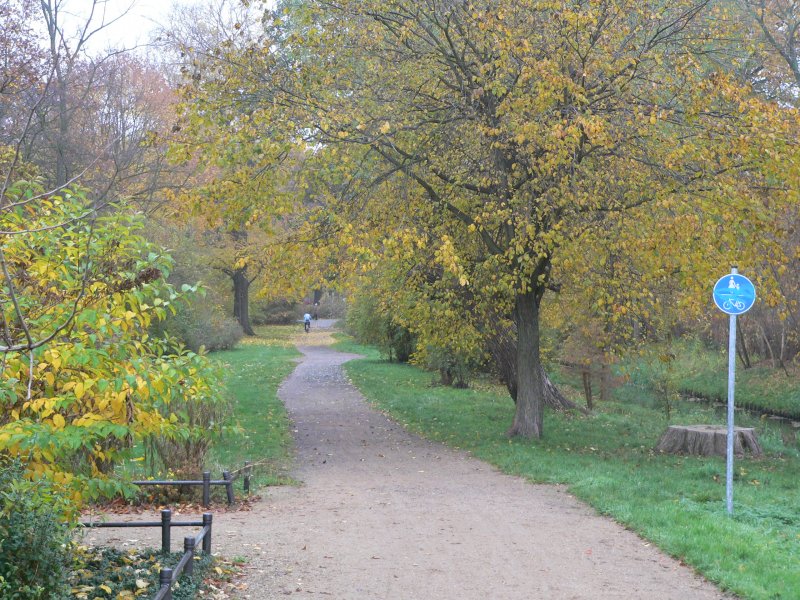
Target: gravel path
[(383, 514)]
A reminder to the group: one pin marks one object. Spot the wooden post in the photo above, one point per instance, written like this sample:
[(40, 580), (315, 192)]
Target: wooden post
[(604, 381), (188, 548), (228, 486), (166, 518), (206, 488), (165, 579), (246, 483), (207, 518), (587, 387)]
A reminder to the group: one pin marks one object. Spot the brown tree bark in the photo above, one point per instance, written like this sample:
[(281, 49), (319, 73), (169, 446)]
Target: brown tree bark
[(241, 300), (502, 346), (529, 414)]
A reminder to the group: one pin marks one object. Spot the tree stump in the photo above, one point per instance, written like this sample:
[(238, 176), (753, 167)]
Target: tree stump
[(708, 440)]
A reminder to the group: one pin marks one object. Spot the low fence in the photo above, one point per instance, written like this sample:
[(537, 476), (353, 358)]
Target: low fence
[(167, 577), (206, 482)]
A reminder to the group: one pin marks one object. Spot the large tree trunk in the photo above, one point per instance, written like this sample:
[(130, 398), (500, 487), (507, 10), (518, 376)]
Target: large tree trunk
[(502, 345), (241, 302), (529, 414)]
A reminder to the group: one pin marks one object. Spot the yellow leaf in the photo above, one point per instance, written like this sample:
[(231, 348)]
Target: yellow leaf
[(79, 390), (142, 584), (118, 402), (385, 127), (59, 421), (105, 588)]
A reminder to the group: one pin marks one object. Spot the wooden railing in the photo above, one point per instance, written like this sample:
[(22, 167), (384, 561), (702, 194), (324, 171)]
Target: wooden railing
[(228, 477), (167, 577)]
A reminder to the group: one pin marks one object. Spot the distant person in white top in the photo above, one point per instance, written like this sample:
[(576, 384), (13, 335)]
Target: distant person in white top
[(307, 322)]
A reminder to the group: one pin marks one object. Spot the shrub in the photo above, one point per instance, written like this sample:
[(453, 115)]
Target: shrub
[(454, 369), (279, 312), (201, 324), (87, 292), (34, 538), (369, 325), (197, 404)]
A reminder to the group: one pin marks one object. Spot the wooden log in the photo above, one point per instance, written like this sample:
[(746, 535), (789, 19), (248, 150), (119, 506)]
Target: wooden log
[(708, 440)]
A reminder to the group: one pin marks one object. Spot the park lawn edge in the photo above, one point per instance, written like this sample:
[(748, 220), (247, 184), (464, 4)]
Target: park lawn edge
[(261, 434), (752, 554)]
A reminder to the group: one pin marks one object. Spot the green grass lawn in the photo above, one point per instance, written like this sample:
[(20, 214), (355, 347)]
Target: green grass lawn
[(255, 370), (607, 460)]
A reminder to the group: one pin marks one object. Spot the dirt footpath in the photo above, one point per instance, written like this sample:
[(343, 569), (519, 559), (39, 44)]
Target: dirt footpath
[(383, 514)]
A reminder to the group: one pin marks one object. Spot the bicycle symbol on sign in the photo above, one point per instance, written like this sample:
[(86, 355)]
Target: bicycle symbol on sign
[(733, 304)]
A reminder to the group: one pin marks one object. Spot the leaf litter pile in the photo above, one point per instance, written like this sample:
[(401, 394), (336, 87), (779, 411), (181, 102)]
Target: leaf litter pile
[(102, 572), (105, 572)]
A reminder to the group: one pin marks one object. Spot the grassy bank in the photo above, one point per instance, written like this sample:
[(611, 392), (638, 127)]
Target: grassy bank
[(255, 370), (699, 371), (607, 460)]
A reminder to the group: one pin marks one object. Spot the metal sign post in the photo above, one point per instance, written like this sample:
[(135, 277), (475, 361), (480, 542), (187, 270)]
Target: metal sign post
[(734, 295), (731, 386)]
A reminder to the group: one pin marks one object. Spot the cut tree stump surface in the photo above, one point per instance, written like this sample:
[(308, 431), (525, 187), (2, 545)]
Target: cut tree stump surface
[(708, 440)]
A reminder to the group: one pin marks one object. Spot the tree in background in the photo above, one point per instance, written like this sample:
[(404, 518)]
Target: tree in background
[(243, 187), (21, 64), (101, 116), (772, 29)]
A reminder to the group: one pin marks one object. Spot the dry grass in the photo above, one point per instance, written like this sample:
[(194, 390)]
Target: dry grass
[(315, 337)]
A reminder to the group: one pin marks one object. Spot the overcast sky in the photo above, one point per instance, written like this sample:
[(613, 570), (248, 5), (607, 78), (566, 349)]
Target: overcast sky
[(132, 29), (129, 30)]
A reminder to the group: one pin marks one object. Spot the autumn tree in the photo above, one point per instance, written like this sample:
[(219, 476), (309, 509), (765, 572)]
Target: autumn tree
[(102, 115), (81, 378), (776, 24), (526, 126), (66, 52), (21, 64), (771, 35), (242, 183)]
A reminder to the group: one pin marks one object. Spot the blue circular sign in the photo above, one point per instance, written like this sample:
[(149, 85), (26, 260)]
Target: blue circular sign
[(734, 294)]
